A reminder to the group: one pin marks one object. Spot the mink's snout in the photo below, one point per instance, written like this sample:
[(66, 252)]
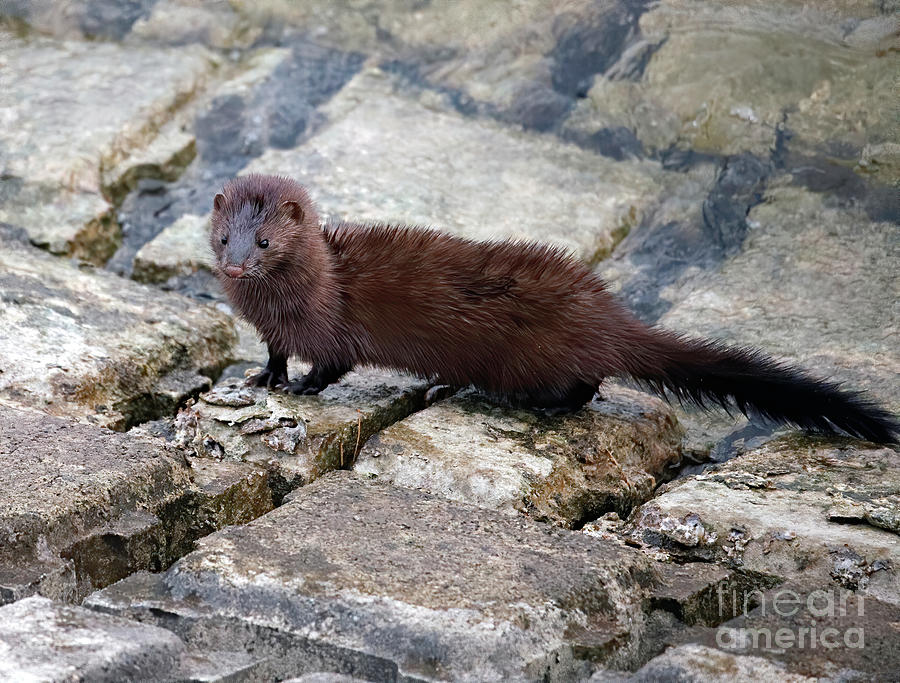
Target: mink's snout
[(232, 270)]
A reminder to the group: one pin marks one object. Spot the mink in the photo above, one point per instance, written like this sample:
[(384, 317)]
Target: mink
[(521, 321)]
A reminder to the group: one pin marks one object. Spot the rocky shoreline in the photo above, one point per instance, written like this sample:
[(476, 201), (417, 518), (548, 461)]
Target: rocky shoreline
[(730, 169)]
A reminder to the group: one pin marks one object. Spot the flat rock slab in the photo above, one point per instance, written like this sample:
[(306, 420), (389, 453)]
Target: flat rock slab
[(180, 249), (299, 437), (474, 178), (388, 25), (814, 283), (81, 506), (695, 662), (71, 110), (93, 346), (608, 456), (791, 508), (824, 632), (380, 582), (732, 73), (44, 641)]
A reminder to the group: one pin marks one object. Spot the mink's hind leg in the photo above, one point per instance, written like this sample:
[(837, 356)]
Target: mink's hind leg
[(274, 374), (555, 403), (316, 379)]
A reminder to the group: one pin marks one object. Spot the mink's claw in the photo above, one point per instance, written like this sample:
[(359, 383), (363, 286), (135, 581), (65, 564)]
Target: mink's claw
[(305, 386), (266, 378)]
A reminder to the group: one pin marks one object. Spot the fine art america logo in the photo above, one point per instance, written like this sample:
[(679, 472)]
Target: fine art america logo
[(785, 619)]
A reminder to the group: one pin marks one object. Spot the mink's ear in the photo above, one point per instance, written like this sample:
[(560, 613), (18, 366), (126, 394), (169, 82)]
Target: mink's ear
[(219, 202), (293, 210)]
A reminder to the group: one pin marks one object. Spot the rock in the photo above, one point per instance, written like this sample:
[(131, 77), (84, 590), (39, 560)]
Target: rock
[(473, 178), (298, 437), (693, 662), (164, 159), (71, 110), (794, 286), (881, 161), (81, 507), (774, 64), (180, 249), (65, 19), (782, 509), (185, 22), (799, 290), (607, 456), (379, 582), (93, 346), (820, 631), (269, 97), (42, 640), (708, 594), (389, 26)]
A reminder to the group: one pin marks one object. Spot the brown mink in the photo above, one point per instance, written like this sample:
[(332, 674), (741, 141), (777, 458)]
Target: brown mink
[(518, 320)]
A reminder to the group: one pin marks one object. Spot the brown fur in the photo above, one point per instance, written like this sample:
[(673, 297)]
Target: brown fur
[(521, 320)]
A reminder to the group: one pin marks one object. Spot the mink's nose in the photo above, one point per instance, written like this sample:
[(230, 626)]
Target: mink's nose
[(233, 271)]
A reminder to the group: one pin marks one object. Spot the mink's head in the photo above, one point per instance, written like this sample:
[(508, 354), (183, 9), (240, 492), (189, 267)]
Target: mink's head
[(261, 225)]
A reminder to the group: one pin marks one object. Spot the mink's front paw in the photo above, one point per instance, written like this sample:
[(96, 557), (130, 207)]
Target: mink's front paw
[(267, 378), (308, 385)]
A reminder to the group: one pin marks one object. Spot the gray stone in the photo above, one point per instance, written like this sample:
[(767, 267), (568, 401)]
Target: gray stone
[(608, 456), (781, 511), (298, 437), (807, 629), (708, 594), (183, 22), (731, 74), (694, 662), (44, 641), (180, 249), (323, 677), (815, 284), (71, 110), (473, 178), (380, 582), (81, 507), (93, 346), (460, 26), (163, 159)]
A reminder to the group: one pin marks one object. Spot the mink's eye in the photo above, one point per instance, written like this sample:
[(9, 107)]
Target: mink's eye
[(224, 239), (263, 244)]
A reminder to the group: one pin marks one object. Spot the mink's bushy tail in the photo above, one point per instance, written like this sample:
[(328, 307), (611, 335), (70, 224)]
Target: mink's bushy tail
[(706, 373)]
